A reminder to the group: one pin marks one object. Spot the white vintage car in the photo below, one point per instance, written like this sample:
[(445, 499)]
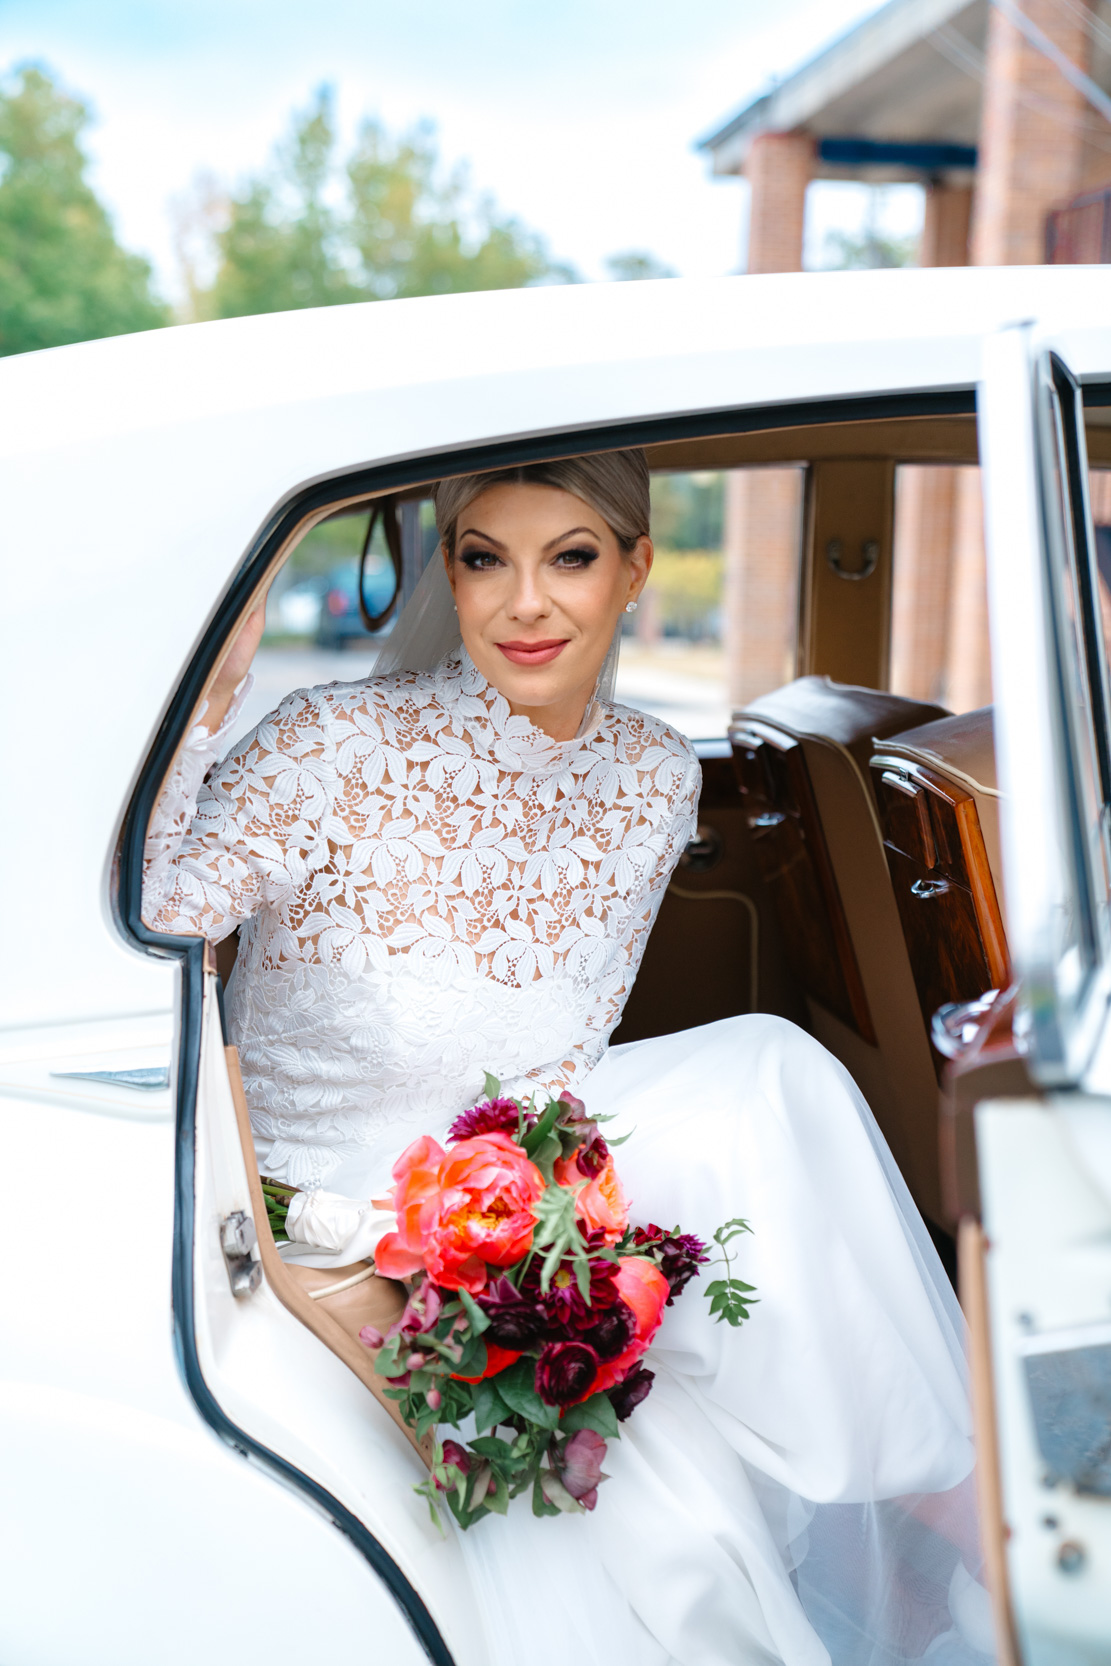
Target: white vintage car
[(193, 1464)]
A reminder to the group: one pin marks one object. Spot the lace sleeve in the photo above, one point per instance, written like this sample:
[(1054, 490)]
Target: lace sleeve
[(225, 840)]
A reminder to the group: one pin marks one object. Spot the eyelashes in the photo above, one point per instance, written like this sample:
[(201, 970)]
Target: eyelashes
[(484, 561)]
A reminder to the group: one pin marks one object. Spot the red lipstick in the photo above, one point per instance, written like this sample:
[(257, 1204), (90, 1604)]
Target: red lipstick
[(534, 653)]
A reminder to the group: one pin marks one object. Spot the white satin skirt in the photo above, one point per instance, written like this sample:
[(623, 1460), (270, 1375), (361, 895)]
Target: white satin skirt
[(796, 1492)]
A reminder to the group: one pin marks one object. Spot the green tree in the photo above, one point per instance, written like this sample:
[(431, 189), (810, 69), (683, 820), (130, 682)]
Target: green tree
[(309, 233), (63, 276), (634, 264)]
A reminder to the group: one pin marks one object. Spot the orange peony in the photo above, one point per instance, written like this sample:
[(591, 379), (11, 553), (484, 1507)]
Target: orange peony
[(646, 1290), (460, 1211), (601, 1205)]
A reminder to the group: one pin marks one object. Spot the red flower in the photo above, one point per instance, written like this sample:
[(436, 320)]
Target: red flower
[(644, 1287), (496, 1360), (459, 1211), (565, 1372)]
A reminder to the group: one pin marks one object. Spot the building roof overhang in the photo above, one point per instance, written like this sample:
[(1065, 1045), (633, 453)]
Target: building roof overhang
[(910, 75), (902, 85)]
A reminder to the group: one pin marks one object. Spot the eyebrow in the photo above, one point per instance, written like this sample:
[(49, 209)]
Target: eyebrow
[(575, 532)]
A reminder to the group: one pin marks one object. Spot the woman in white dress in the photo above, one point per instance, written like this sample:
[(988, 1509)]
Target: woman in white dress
[(453, 867)]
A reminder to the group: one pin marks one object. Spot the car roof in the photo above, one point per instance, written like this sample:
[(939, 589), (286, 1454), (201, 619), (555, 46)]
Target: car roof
[(752, 340)]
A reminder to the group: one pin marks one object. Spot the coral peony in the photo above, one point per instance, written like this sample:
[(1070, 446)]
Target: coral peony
[(460, 1211), (601, 1204), (645, 1289)]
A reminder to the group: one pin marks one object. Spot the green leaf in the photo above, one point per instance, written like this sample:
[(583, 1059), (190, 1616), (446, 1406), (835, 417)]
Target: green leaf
[(490, 1408), (537, 1135), (473, 1362), (518, 1390), (492, 1088), (477, 1319), (491, 1446), (596, 1413)]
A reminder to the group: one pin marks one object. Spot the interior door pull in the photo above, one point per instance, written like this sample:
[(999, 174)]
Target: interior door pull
[(924, 888)]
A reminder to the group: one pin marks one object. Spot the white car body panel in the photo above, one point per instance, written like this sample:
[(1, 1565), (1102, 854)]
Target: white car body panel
[(135, 475)]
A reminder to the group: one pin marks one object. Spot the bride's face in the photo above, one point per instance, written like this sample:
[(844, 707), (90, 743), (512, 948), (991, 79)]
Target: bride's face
[(540, 582)]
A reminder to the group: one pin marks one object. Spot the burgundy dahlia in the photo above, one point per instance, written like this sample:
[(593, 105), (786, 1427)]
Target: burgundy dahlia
[(490, 1116), (566, 1309), (516, 1320), (565, 1372), (614, 1331), (626, 1395)]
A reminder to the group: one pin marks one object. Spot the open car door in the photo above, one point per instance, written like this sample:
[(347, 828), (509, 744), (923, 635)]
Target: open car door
[(1036, 1268)]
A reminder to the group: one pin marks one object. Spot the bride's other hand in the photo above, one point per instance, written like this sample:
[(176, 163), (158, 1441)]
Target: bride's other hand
[(235, 666)]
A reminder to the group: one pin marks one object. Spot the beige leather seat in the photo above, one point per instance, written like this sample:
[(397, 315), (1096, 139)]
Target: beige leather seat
[(939, 810), (802, 757)]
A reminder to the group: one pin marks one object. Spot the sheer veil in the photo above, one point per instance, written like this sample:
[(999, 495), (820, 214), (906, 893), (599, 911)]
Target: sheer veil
[(428, 630)]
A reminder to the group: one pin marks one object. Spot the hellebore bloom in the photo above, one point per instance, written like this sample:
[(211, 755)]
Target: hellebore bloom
[(580, 1466), (565, 1372), (626, 1395), (454, 1457), (461, 1210)]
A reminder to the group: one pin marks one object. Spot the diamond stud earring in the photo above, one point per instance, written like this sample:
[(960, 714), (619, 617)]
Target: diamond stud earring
[(630, 607)]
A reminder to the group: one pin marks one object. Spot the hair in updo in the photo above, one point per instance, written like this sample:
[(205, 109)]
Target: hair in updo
[(615, 483)]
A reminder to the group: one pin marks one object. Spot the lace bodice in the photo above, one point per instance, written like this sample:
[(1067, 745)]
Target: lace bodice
[(426, 888)]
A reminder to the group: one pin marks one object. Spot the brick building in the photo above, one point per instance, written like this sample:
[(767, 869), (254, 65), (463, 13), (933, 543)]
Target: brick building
[(999, 108)]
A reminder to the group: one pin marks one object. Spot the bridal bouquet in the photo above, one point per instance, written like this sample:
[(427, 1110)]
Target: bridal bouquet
[(532, 1302)]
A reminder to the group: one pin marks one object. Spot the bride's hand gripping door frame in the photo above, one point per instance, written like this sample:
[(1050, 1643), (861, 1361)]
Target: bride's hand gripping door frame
[(1036, 1271)]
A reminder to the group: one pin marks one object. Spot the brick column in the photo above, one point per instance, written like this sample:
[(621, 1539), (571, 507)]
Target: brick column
[(762, 535), (926, 501), (778, 169), (1031, 133), (968, 679), (945, 225)]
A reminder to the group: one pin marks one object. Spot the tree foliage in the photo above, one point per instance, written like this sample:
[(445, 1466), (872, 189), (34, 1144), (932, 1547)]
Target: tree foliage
[(311, 231), (633, 265), (63, 276)]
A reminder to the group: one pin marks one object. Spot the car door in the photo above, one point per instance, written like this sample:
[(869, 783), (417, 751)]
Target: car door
[(1036, 1266)]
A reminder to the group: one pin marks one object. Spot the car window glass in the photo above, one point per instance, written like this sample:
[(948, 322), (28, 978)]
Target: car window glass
[(939, 613), (1078, 922)]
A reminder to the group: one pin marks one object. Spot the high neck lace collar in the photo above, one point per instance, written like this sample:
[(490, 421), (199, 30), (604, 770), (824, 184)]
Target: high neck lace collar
[(514, 742)]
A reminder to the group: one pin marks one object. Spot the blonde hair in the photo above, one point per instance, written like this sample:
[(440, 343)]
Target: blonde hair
[(615, 483)]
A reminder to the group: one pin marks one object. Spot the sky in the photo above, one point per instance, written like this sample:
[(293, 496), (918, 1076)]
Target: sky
[(578, 116)]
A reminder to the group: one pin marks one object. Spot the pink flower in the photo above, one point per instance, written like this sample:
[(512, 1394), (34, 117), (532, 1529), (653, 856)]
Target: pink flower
[(580, 1466), (461, 1211)]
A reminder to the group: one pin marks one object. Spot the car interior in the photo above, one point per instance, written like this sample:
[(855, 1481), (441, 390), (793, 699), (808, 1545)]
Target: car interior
[(846, 870)]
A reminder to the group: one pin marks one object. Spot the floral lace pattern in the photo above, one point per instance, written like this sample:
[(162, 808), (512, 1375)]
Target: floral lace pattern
[(425, 887)]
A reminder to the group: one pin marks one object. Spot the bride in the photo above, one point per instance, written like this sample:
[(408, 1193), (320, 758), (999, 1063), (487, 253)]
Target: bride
[(453, 866)]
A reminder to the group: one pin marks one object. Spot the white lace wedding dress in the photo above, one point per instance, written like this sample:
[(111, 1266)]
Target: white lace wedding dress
[(427, 888)]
